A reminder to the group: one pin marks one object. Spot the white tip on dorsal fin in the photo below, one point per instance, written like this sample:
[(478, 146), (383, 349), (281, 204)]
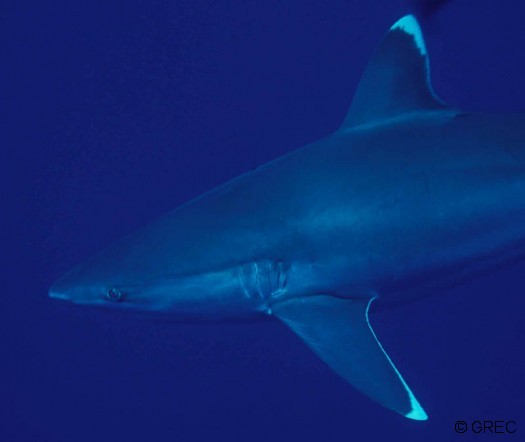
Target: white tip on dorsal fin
[(397, 79), (409, 25)]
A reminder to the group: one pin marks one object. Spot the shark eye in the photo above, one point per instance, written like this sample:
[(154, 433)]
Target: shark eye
[(114, 294)]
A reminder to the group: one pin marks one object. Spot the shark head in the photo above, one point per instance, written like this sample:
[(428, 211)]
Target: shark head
[(99, 282), (150, 272)]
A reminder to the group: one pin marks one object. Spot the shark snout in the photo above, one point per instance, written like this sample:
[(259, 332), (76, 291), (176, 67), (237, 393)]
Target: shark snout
[(57, 295), (66, 285), (58, 291)]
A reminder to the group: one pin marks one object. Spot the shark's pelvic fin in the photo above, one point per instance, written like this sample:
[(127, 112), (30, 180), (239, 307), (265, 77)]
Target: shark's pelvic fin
[(396, 80), (339, 332)]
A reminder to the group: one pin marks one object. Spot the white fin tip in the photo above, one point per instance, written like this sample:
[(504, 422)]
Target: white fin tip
[(417, 413), (409, 24)]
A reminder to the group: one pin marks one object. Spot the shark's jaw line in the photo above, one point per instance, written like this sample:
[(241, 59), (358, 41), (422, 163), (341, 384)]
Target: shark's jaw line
[(407, 197)]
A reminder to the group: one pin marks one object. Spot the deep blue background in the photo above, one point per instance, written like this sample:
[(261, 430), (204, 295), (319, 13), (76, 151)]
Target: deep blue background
[(116, 112)]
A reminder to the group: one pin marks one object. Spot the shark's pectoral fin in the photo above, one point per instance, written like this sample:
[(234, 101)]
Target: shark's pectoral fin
[(339, 332)]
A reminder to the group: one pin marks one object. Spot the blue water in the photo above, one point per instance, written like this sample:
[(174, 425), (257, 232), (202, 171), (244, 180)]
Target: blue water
[(117, 113)]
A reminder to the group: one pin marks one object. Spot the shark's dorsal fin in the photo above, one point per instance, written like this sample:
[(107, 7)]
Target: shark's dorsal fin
[(396, 80), (339, 332)]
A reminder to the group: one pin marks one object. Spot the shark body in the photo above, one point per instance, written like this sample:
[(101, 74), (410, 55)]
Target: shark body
[(408, 197)]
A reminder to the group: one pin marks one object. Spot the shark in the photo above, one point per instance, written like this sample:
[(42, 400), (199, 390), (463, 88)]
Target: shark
[(408, 197)]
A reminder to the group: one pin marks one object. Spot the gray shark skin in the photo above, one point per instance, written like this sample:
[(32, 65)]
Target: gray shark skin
[(408, 197)]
